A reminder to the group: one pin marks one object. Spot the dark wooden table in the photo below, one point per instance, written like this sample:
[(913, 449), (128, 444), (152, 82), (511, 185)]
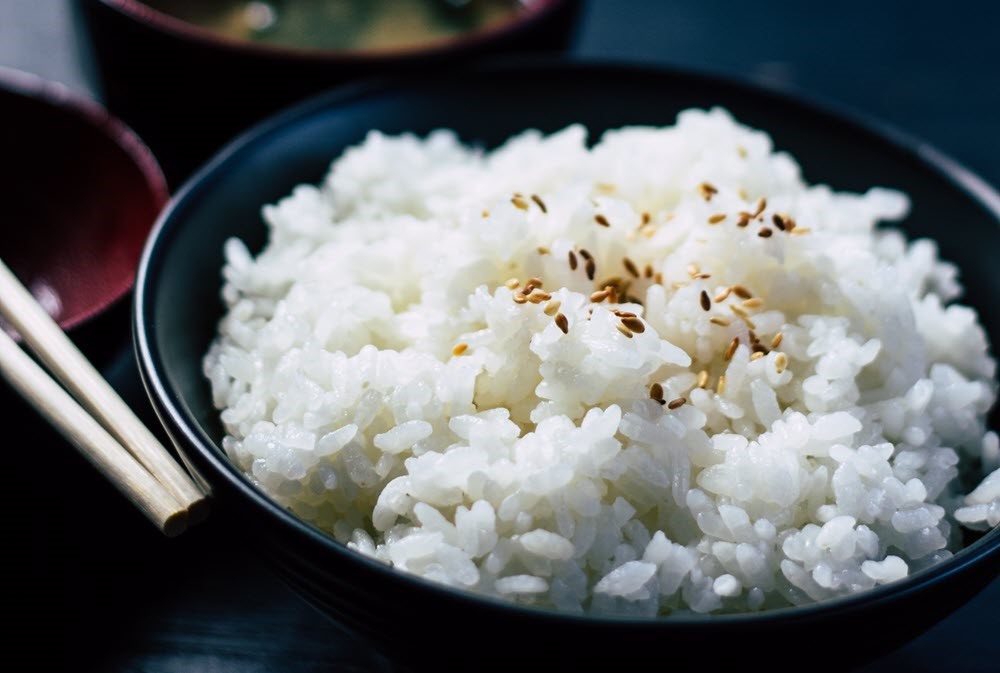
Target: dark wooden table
[(89, 586)]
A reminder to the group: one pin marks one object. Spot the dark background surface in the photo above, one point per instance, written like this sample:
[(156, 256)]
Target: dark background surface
[(92, 587)]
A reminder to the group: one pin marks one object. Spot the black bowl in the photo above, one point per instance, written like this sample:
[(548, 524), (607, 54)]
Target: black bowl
[(177, 310), (187, 90)]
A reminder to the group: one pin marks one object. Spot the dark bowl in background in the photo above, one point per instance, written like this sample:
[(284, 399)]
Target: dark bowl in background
[(187, 91), (177, 308), (80, 194)]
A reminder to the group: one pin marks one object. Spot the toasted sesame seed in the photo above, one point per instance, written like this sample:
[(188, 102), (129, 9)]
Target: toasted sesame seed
[(459, 349), (612, 293), (624, 330), (693, 270), (656, 391), (519, 298), (720, 387), (535, 281), (676, 404), (552, 307), (658, 278), (715, 219), (779, 221), (723, 295), (585, 254), (542, 250), (741, 291), (631, 267), (780, 362), (776, 341), (647, 272), (634, 324), (646, 218), (719, 320), (706, 303), (511, 283), (702, 276), (572, 260), (538, 296), (562, 322), (591, 269), (519, 202), (764, 232), (800, 231), (731, 349), (757, 355), (623, 314), (599, 296), (739, 310), (707, 191), (602, 220), (486, 213), (743, 219), (541, 204), (761, 205), (755, 302), (789, 224)]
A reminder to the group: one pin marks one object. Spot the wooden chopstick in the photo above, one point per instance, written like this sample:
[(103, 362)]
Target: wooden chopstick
[(94, 442), (72, 369)]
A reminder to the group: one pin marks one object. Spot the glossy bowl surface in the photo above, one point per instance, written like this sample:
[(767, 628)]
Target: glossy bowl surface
[(177, 309), (80, 194), (187, 90)]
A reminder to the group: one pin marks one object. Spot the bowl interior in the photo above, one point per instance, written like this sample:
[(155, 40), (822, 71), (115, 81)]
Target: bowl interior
[(179, 284), (81, 194)]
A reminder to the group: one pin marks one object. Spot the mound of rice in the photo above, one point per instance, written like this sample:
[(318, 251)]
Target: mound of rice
[(428, 361)]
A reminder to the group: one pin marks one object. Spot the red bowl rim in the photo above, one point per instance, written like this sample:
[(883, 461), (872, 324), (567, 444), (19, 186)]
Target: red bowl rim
[(63, 99), (530, 15)]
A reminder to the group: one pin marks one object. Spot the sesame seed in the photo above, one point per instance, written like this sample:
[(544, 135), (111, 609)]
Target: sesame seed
[(776, 341), (722, 296), (624, 330), (656, 391), (731, 349), (761, 205), (719, 320), (742, 193), (634, 324), (585, 254), (542, 250), (780, 362), (800, 231), (519, 298), (679, 285), (631, 267), (706, 303), (623, 314), (486, 213), (720, 387), (739, 310), (702, 378), (757, 355), (658, 278), (541, 204), (601, 220), (741, 292), (715, 219), (606, 187), (755, 302), (599, 296), (534, 281), (646, 218), (707, 191), (572, 260), (519, 202), (511, 283), (676, 404), (538, 296), (562, 322), (552, 307), (702, 276), (591, 269), (744, 219), (764, 232), (612, 293), (693, 270), (650, 231), (789, 224), (779, 221), (459, 349)]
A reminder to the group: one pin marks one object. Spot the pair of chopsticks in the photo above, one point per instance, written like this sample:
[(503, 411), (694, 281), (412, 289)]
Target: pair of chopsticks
[(97, 421)]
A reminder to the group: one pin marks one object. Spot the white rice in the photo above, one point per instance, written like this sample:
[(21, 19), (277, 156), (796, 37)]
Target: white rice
[(534, 465)]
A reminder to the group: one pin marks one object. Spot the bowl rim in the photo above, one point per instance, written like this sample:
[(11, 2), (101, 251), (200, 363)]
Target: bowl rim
[(174, 413), (64, 100), (522, 20)]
